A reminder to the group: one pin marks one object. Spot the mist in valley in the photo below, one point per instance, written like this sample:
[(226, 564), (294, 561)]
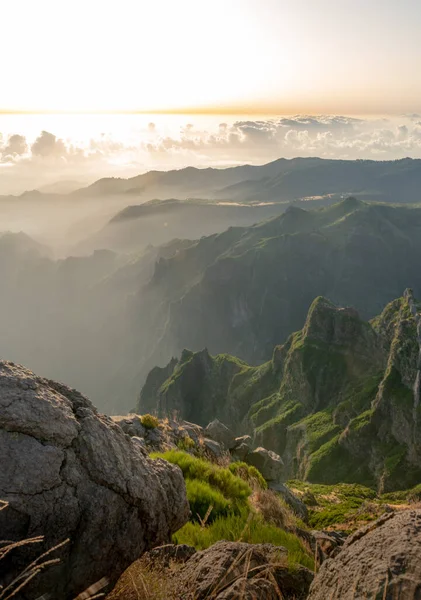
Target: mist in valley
[(102, 283)]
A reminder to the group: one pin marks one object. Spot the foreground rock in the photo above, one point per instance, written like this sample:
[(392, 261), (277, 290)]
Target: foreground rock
[(69, 472), (268, 463), (238, 571), (382, 560)]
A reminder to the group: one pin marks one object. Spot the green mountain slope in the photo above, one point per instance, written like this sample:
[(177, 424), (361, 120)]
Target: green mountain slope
[(340, 400), (245, 289)]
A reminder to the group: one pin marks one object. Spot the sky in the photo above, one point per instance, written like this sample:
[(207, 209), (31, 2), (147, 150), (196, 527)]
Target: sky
[(216, 56), (95, 88)]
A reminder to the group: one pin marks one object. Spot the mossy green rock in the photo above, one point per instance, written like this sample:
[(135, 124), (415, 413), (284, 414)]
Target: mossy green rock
[(339, 401)]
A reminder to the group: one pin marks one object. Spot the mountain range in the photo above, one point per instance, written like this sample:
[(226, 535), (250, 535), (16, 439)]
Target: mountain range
[(339, 400), (278, 181), (103, 321), (245, 289)]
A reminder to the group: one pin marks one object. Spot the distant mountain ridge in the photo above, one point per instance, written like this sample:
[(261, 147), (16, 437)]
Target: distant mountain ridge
[(280, 180), (340, 400), (245, 289)]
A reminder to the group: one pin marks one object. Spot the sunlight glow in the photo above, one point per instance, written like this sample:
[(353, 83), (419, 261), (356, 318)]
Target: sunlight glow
[(238, 56)]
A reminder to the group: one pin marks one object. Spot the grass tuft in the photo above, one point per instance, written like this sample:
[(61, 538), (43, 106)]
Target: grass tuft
[(149, 421)]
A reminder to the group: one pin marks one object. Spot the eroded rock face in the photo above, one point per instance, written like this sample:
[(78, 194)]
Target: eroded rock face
[(382, 560), (69, 472)]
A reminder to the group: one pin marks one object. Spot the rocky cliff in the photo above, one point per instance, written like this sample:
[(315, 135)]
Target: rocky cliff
[(339, 401)]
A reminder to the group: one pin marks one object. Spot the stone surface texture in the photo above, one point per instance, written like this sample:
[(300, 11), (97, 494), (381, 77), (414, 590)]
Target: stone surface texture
[(382, 560)]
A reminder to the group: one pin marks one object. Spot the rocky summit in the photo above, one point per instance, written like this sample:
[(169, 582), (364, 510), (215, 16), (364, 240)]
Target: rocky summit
[(338, 401), (68, 472)]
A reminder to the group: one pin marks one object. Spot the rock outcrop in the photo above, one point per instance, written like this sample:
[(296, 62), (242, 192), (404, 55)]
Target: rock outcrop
[(69, 472), (382, 560), (238, 571)]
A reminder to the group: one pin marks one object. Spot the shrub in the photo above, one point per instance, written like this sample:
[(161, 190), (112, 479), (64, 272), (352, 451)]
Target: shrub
[(202, 496), (250, 474), (186, 443), (231, 486), (149, 421)]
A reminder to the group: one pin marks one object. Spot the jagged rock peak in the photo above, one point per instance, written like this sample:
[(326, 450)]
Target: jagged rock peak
[(200, 355), (329, 323)]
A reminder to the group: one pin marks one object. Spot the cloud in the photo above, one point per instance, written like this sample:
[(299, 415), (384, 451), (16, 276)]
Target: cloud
[(329, 136), (46, 158), (16, 146), (48, 145)]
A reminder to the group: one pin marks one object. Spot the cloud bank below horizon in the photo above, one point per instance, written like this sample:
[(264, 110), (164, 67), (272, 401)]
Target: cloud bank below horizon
[(33, 161)]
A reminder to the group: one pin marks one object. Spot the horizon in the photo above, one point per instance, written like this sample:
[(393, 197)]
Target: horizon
[(41, 149)]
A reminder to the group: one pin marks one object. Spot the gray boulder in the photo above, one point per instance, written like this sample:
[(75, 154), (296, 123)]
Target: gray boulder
[(245, 440), (242, 446), (156, 439), (195, 432), (382, 560), (240, 452), (131, 425), (329, 543), (213, 447), (220, 433), (69, 472), (164, 556), (239, 571), (299, 508), (268, 463)]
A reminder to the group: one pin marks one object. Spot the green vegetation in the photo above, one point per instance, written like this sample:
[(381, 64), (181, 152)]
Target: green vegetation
[(222, 481), (249, 474), (347, 506), (403, 497), (149, 421), (247, 527), (203, 497), (186, 443), (221, 509)]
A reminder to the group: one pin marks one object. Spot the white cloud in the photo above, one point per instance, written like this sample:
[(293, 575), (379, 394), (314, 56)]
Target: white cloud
[(48, 157), (16, 146)]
